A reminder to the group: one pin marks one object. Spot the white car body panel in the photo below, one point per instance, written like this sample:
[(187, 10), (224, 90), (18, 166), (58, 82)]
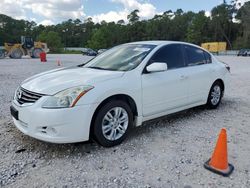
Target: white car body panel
[(68, 127), (67, 78), (157, 98), (155, 95), (200, 80)]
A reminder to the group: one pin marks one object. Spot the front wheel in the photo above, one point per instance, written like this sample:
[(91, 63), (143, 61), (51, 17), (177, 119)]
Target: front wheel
[(112, 123), (215, 95), (36, 53), (16, 53), (2, 54)]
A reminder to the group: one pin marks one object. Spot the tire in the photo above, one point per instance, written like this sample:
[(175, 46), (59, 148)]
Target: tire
[(215, 95), (16, 53), (36, 53), (2, 55), (107, 129)]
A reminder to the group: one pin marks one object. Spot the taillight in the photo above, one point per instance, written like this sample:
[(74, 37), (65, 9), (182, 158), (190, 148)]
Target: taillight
[(227, 66)]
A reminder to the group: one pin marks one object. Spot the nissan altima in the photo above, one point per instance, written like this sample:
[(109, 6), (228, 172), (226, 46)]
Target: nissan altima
[(118, 90)]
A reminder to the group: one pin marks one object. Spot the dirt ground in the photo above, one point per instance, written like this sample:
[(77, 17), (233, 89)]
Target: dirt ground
[(169, 152)]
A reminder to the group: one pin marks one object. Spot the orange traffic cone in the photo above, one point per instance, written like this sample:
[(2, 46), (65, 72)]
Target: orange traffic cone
[(58, 63), (218, 162)]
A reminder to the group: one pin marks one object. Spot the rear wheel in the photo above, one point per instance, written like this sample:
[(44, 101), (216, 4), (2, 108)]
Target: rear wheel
[(16, 53), (36, 53), (2, 55), (112, 123), (215, 95)]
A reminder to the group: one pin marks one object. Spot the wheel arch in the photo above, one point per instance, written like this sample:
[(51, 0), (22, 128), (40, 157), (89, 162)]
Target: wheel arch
[(222, 83), (208, 103), (123, 97)]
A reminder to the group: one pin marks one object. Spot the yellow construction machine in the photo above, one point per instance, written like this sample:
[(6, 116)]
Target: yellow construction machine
[(214, 46), (26, 47)]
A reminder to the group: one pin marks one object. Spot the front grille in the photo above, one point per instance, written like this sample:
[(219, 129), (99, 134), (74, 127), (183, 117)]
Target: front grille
[(25, 96)]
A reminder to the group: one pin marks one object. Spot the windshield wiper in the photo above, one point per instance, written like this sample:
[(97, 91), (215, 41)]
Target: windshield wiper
[(99, 68), (81, 65)]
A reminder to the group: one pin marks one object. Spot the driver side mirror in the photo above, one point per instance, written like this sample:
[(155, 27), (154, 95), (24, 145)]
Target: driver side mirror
[(157, 67)]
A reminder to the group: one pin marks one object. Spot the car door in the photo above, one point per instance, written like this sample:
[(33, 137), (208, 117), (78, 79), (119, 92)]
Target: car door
[(164, 91), (200, 71)]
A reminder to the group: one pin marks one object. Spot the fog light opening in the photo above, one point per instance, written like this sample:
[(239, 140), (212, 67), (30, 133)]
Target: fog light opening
[(44, 130)]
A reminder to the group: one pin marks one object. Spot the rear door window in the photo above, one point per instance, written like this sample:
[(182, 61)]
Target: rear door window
[(195, 56)]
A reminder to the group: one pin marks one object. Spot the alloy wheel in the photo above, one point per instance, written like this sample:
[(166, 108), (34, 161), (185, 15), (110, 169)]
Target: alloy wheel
[(216, 95), (115, 123)]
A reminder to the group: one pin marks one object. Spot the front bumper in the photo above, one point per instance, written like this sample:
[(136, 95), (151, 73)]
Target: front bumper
[(65, 125)]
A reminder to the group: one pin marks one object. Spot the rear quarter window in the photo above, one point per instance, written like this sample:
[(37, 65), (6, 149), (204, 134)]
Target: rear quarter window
[(208, 57)]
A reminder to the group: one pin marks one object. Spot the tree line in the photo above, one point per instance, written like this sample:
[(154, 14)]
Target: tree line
[(226, 23)]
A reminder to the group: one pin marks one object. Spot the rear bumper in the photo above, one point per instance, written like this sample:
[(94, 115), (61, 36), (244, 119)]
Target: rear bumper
[(65, 125)]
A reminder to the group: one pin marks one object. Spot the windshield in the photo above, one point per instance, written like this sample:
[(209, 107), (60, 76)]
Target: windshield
[(121, 58)]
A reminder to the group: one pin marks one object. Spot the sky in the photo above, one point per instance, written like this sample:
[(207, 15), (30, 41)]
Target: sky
[(48, 12)]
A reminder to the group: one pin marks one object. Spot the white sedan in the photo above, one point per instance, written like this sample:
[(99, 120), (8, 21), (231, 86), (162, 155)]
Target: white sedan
[(119, 89)]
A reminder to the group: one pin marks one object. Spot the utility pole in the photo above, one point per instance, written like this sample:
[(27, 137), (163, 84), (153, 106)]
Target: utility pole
[(65, 32)]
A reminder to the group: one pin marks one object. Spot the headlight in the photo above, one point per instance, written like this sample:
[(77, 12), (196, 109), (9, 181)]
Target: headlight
[(66, 98), (15, 94)]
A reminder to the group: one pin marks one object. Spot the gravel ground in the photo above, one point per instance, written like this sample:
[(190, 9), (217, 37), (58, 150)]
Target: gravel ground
[(169, 152)]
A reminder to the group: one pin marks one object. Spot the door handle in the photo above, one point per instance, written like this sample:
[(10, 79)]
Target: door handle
[(183, 77), (212, 70)]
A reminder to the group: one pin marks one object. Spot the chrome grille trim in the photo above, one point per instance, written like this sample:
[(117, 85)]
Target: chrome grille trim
[(24, 96)]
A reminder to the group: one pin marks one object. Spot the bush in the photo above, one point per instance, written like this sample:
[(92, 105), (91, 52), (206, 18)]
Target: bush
[(62, 51), (52, 39)]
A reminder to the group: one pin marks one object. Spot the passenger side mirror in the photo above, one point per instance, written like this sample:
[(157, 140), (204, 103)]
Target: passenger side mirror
[(157, 67)]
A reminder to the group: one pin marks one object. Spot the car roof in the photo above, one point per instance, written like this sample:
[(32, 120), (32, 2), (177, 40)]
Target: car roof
[(166, 42), (161, 42)]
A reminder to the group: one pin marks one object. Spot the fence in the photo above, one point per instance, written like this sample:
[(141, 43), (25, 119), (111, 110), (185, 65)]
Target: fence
[(229, 52), (226, 53), (75, 48)]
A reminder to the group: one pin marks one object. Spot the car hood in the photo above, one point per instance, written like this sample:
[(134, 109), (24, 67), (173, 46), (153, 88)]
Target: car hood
[(51, 82)]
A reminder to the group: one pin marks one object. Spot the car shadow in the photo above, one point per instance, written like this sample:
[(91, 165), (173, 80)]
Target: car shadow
[(165, 121), (169, 120), (48, 151)]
